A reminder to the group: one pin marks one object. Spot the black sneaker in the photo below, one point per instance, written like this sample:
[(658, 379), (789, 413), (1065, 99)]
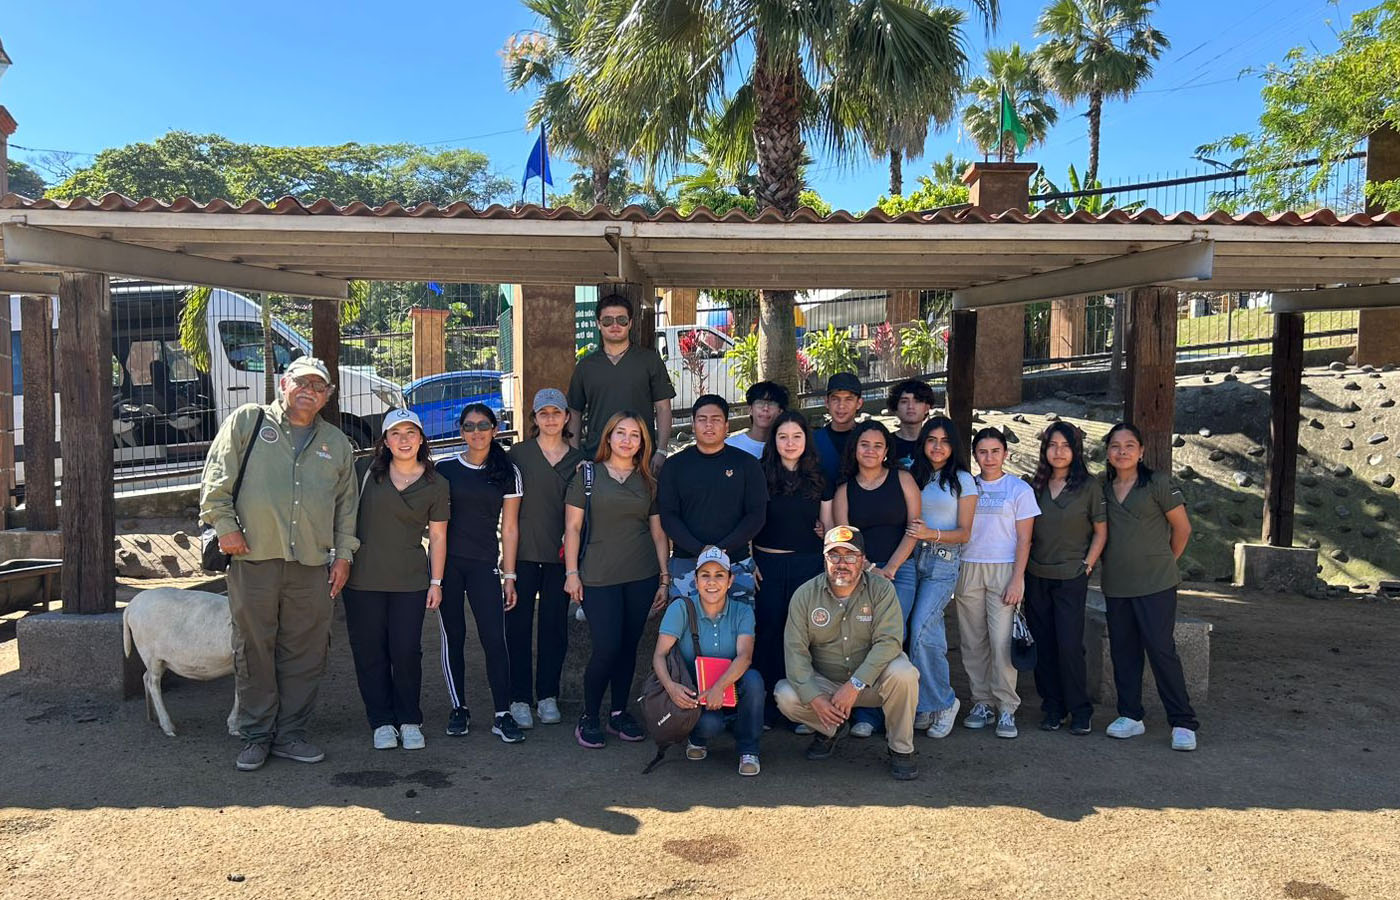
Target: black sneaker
[(822, 746), (507, 729), (589, 733), (1051, 722), (1081, 724), (459, 721), (903, 767), (624, 726)]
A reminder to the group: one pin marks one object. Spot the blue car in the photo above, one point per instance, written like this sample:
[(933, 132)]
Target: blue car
[(438, 399)]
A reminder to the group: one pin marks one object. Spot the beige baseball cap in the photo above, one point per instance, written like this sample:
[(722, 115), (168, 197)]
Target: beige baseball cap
[(308, 365)]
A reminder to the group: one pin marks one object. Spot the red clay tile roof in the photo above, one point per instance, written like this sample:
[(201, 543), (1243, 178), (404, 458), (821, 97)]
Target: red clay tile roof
[(290, 206)]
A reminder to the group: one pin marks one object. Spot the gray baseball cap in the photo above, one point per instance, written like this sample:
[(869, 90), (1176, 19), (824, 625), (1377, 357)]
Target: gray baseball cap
[(308, 365), (550, 397)]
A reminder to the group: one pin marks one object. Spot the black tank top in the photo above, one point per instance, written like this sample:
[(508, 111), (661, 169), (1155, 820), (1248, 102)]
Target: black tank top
[(880, 515)]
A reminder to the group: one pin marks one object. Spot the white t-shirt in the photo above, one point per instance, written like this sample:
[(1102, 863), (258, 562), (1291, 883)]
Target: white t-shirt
[(745, 443), (1000, 505)]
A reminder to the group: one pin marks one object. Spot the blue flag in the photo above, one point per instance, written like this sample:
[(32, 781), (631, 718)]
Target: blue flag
[(538, 163), (435, 288)]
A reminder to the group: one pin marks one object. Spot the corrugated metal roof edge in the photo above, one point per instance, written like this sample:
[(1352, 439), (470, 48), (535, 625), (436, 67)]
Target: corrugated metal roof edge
[(290, 206)]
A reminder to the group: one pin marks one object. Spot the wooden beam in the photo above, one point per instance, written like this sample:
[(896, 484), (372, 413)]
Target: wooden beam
[(962, 369), (27, 245), (26, 283), (1150, 392), (37, 359), (1371, 296), (1193, 260), (85, 388), (1285, 402)]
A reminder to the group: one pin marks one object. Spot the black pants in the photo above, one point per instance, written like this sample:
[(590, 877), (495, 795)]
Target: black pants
[(782, 574), (386, 639), (617, 615), (1055, 613), (547, 581), (481, 583), (1147, 624)]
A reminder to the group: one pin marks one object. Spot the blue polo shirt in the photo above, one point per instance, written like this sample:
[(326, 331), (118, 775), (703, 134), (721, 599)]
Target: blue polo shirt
[(718, 636)]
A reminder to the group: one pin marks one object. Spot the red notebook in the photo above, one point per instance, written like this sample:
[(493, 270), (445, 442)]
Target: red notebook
[(708, 671)]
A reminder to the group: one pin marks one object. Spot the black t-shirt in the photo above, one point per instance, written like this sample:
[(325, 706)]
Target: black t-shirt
[(476, 509), (718, 498), (905, 452), (791, 522)]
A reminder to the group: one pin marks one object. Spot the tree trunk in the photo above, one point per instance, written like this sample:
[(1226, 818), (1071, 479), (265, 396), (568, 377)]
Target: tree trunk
[(1091, 175), (601, 176), (269, 357), (896, 173), (778, 144)]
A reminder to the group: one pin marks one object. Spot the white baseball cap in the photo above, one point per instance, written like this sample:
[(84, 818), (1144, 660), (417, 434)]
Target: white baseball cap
[(308, 365), (712, 555), (399, 417)]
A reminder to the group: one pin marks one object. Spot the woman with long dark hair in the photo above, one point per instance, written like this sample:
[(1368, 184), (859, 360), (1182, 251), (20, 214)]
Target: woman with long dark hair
[(788, 549), (547, 463), (947, 506), (619, 575), (392, 584), (1147, 533), (486, 491), (992, 583), (881, 499), (1066, 542)]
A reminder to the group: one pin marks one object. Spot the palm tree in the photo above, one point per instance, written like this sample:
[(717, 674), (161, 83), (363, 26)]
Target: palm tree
[(1015, 72), (782, 71), (1097, 49), (544, 60)]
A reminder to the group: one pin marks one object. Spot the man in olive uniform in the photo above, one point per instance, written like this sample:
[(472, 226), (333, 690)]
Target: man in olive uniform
[(291, 534), (842, 646)]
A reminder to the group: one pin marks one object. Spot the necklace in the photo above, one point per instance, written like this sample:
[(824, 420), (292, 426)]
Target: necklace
[(615, 357)]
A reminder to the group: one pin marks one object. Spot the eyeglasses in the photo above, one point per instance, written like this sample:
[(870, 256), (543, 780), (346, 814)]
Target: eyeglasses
[(315, 385), (483, 425), (613, 320), (843, 558)]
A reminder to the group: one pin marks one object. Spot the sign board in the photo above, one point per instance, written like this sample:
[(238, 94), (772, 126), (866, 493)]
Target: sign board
[(585, 319)]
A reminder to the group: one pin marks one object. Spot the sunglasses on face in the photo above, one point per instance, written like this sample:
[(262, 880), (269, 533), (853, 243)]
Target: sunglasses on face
[(469, 427), (842, 558), (614, 320)]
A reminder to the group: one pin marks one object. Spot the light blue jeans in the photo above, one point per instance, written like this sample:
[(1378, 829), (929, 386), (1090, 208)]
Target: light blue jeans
[(904, 588), (937, 567)]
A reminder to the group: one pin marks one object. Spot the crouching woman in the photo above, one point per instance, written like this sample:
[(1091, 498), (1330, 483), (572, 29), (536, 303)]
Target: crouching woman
[(726, 632)]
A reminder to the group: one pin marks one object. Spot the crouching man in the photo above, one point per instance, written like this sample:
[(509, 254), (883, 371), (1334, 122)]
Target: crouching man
[(842, 647)]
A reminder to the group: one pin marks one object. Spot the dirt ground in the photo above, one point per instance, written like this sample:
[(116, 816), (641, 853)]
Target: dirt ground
[(1293, 794)]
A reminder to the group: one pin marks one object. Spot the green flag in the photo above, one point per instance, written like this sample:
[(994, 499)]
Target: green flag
[(1012, 123)]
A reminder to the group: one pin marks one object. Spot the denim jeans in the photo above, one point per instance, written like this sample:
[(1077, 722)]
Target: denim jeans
[(748, 716), (904, 584), (928, 640)]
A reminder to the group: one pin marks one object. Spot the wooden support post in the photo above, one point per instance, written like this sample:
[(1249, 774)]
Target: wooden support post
[(962, 370), (1067, 320), (542, 335), (325, 346), (7, 416), (901, 306), (85, 388), (1285, 401), (429, 341), (1150, 390), (36, 357), (643, 297), (681, 305), (1378, 330)]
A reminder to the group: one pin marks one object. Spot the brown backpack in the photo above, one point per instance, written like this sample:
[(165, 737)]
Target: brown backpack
[(666, 722)]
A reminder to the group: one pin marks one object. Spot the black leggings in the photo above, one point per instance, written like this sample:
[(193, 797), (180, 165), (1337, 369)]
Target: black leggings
[(386, 639), (783, 574), (481, 583), (547, 581), (617, 616)]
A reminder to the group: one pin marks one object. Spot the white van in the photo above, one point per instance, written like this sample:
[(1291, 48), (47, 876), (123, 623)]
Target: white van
[(165, 410)]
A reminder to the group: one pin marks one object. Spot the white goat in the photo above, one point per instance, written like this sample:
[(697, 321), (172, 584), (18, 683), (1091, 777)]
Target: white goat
[(187, 632)]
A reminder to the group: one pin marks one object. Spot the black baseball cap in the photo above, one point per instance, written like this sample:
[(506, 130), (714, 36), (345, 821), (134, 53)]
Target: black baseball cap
[(843, 381)]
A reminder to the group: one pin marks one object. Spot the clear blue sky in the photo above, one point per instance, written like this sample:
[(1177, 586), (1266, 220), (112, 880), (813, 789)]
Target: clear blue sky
[(91, 74)]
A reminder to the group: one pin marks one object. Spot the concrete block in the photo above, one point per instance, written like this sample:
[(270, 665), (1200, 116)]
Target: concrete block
[(1262, 567), (20, 543), (67, 656), (1192, 645)]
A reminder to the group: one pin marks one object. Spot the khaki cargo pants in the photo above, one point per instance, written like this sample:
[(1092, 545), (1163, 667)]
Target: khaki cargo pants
[(281, 637), (896, 691)]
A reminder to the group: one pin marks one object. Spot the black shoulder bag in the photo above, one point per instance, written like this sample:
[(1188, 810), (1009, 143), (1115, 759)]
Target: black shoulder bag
[(211, 558)]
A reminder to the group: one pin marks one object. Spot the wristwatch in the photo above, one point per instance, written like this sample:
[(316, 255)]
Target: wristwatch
[(435, 582), (858, 684)]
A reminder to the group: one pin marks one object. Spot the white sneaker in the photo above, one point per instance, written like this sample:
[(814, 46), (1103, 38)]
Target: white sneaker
[(1006, 724), (748, 764), (386, 737), (922, 720), (862, 730), (803, 729), (943, 720), (549, 711), (412, 737), (1183, 739), (981, 716), (1124, 728), (520, 712), (695, 752)]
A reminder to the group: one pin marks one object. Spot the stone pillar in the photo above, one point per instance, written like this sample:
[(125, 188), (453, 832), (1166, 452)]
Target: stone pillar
[(429, 341), (1067, 321), (7, 128), (36, 352), (1378, 330), (1150, 395), (1001, 330), (542, 334), (901, 306), (681, 304)]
